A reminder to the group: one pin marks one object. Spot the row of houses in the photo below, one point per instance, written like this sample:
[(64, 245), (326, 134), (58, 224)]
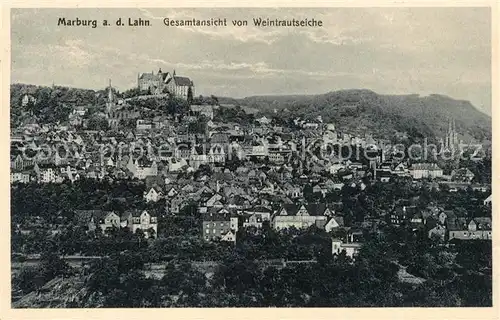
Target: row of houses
[(218, 221), (133, 220), (444, 224)]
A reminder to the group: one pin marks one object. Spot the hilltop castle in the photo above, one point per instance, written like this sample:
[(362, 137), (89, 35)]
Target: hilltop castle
[(162, 82)]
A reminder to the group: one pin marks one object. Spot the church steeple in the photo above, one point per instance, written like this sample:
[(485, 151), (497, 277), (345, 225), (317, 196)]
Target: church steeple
[(110, 92), (110, 102)]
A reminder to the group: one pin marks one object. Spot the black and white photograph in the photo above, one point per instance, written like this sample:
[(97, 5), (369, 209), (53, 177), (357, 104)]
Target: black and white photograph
[(334, 157)]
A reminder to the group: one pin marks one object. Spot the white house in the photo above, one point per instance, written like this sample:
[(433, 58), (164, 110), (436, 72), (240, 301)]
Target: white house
[(153, 195), (487, 201), (333, 223), (141, 220), (351, 249), (302, 216)]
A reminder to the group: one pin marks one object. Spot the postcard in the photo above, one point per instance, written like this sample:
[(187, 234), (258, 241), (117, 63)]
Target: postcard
[(278, 158)]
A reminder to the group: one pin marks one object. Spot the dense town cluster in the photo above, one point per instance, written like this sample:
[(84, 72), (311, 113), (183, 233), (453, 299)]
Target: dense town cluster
[(238, 173)]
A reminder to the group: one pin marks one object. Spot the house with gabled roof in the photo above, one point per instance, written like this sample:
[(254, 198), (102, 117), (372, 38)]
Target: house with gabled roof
[(93, 219), (238, 202), (263, 211), (219, 224), (351, 248), (141, 220), (487, 201), (253, 220), (215, 200), (401, 170), (334, 223), (469, 228), (171, 192), (177, 203), (300, 216), (153, 194)]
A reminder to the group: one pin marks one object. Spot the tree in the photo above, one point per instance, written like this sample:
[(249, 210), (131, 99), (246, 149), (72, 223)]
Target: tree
[(214, 100), (53, 266), (27, 280), (98, 123)]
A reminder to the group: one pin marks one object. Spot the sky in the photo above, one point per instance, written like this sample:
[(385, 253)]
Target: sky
[(387, 50)]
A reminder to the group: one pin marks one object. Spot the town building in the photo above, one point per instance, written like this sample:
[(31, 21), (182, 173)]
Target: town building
[(219, 224), (350, 246), (202, 110), (426, 171), (153, 195), (469, 229), (140, 220), (301, 216)]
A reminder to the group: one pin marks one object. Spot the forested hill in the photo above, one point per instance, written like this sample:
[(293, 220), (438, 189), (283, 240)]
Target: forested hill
[(53, 104), (366, 111)]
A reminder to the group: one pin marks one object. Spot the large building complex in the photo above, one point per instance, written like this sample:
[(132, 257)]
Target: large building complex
[(166, 82)]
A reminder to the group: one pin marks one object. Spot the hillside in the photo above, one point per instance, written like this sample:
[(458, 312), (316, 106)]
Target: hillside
[(356, 111), (366, 111)]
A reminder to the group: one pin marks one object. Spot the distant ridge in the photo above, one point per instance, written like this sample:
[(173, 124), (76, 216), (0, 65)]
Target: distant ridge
[(362, 110)]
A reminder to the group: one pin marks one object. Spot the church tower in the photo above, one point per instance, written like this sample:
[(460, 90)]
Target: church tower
[(110, 103), (455, 134)]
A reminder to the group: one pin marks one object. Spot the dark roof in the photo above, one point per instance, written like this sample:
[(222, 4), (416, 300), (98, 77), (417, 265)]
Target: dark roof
[(431, 222), (409, 211), (339, 219), (483, 223), (148, 76), (320, 223), (425, 166), (163, 75), (135, 213), (182, 81), (219, 137), (154, 181), (85, 216), (215, 215), (456, 224), (260, 209), (247, 216), (383, 174)]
